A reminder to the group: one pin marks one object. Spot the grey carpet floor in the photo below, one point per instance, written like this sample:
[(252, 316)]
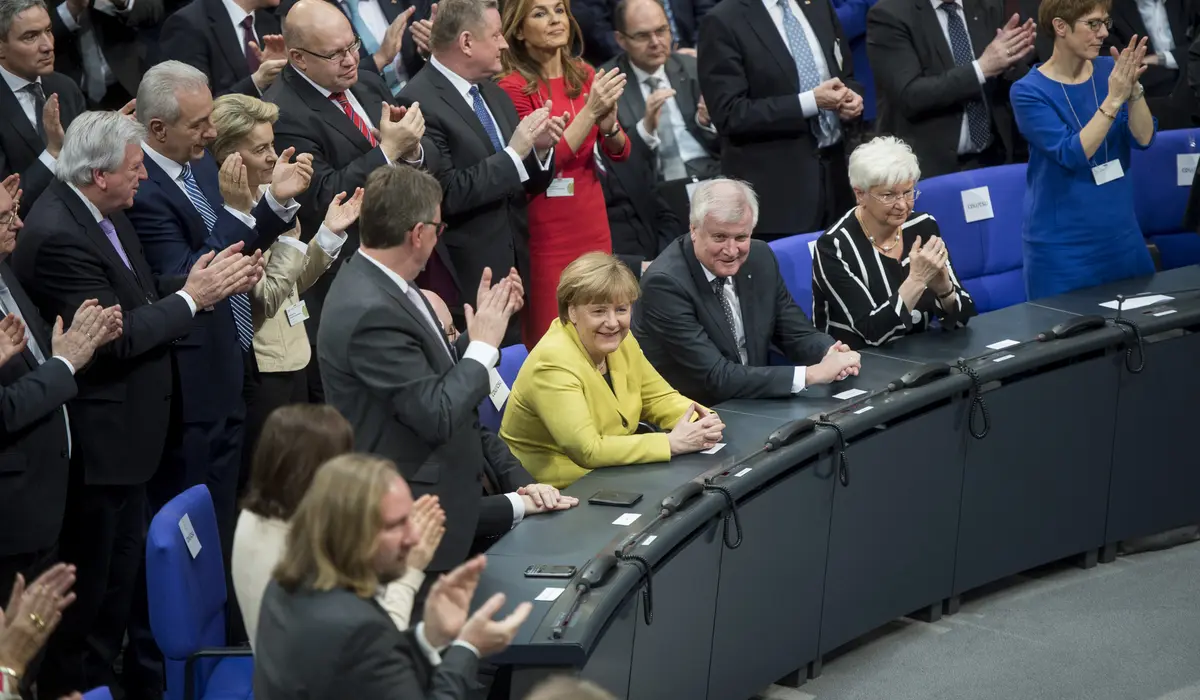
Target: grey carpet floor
[(1129, 630)]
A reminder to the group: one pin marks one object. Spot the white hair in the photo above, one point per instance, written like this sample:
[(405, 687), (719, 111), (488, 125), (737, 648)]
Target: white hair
[(725, 200), (884, 160), (96, 141), (158, 94)]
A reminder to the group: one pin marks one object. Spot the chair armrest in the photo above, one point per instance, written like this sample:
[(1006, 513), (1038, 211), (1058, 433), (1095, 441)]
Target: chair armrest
[(189, 666)]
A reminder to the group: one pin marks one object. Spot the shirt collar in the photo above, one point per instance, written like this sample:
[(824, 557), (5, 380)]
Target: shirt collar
[(87, 203), (236, 13), (15, 82), (170, 167), (400, 281), (324, 93), (661, 73), (939, 3), (460, 83)]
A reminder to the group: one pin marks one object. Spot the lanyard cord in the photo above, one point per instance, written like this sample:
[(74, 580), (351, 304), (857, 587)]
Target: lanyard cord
[(1096, 97)]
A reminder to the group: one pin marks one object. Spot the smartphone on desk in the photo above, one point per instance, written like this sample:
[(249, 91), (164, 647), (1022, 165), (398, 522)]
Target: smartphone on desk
[(621, 499), (563, 571)]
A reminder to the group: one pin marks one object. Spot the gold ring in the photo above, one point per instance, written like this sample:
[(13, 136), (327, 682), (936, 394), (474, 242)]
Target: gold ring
[(38, 622)]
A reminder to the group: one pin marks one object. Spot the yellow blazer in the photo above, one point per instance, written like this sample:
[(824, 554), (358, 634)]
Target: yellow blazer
[(278, 345), (563, 420)]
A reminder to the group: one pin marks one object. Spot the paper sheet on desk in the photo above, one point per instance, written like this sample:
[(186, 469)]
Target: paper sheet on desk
[(1137, 303)]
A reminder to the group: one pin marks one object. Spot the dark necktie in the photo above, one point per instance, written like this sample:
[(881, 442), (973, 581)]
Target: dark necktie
[(960, 45), (39, 104), (670, 163), (344, 102), (485, 119), (247, 39), (718, 285)]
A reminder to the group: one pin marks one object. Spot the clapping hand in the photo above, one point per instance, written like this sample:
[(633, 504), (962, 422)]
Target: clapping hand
[(291, 179), (654, 105), (495, 305), (235, 183), (12, 185), (422, 31), (448, 606), (270, 61), (401, 130), (430, 521), (1013, 42), (52, 125), (529, 130), (1130, 64), (32, 615), (927, 261), (602, 98), (12, 338), (393, 39), (341, 214)]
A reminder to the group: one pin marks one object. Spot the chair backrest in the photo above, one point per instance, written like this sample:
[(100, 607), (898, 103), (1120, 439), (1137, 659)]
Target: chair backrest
[(1158, 198), (101, 693), (795, 256), (187, 593), (987, 254), (511, 359)]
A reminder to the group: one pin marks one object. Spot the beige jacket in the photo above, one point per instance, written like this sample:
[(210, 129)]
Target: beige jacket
[(278, 345)]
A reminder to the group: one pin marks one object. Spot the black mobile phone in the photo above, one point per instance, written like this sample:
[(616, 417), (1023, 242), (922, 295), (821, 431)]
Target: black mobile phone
[(550, 571), (623, 499)]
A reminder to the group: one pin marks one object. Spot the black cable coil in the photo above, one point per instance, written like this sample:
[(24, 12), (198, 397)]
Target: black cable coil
[(648, 591), (1137, 337), (977, 402), (843, 468), (730, 515)]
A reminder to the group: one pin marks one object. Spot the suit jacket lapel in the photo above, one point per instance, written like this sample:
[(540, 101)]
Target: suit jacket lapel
[(491, 95), (929, 25), (744, 285), (451, 96), (197, 231), (11, 106), (29, 313), (761, 23), (372, 104), (685, 98), (389, 287), (708, 299), (820, 26), (329, 112), (127, 237), (228, 37), (631, 102), (976, 27)]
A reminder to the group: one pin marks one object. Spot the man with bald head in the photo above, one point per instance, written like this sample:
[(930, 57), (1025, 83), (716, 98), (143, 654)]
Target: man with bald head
[(344, 115), (714, 304)]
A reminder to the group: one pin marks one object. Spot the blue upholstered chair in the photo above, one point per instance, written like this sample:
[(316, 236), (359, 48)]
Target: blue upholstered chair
[(795, 256), (511, 359), (1159, 199)]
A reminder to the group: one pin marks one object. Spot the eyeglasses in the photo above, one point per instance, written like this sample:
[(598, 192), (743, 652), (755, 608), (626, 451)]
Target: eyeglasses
[(663, 33), (441, 226), (1095, 24), (351, 50), (893, 197)]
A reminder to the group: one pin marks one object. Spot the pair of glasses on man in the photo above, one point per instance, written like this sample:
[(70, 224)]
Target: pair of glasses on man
[(661, 33), (337, 56)]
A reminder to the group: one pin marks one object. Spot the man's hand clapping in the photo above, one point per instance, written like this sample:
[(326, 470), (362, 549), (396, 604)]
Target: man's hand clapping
[(393, 39), (430, 520), (448, 606), (422, 32), (217, 276), (1012, 44), (12, 338), (291, 179), (271, 60), (400, 131), (52, 125), (494, 306), (341, 214), (91, 327), (654, 106)]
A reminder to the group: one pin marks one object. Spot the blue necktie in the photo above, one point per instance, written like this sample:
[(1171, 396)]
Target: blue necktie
[(239, 302), (485, 119), (978, 124), (394, 80), (671, 21), (806, 66)]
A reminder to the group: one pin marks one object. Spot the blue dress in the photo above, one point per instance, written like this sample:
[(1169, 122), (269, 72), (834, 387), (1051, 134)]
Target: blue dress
[(1075, 233)]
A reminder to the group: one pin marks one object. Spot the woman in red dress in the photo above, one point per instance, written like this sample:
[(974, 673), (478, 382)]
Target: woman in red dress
[(542, 65)]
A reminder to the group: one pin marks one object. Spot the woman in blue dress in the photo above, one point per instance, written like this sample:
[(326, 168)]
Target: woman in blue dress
[(1079, 226)]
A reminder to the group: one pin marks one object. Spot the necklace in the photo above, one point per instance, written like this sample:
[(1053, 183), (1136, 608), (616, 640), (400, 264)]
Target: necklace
[(882, 248)]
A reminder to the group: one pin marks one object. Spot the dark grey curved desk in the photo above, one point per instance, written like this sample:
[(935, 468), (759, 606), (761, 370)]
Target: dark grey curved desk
[(1081, 453)]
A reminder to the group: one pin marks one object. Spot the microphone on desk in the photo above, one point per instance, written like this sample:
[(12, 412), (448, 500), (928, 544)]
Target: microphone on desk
[(593, 574), (675, 501), (1072, 327)]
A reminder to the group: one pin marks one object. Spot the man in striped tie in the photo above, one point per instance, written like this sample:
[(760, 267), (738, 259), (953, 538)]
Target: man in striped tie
[(185, 209)]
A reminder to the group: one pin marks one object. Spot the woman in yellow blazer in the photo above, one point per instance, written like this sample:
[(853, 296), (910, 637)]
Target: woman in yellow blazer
[(277, 376), (586, 385)]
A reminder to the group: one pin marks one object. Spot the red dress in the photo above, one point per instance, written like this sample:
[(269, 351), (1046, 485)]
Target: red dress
[(560, 228)]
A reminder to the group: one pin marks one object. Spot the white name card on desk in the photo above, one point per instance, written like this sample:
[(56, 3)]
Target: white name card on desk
[(713, 450), (1166, 312), (1006, 343), (1137, 303), (548, 594), (1185, 168), (627, 519), (849, 394), (977, 204)]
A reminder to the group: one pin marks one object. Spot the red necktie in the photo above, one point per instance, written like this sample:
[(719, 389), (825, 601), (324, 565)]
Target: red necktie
[(248, 38), (340, 98)]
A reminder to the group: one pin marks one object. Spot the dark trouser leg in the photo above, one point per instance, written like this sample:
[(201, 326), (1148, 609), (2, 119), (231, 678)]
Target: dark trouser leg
[(316, 391), (103, 537)]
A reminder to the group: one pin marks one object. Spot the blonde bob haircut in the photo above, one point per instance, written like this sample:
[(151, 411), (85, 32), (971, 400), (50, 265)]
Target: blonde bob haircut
[(234, 117), (332, 541), (595, 278)]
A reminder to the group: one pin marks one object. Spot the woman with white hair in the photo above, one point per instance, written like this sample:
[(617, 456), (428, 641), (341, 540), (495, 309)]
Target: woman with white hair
[(882, 271)]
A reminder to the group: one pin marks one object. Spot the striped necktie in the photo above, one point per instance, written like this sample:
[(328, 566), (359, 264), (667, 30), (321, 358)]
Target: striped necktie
[(240, 302)]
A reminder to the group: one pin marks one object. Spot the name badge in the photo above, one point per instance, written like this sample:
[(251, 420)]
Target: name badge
[(297, 314), (837, 53), (498, 391), (561, 187), (1108, 172)]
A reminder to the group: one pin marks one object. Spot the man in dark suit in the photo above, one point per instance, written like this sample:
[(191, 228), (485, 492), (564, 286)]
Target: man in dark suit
[(334, 109), (100, 45), (778, 80), (597, 20), (182, 212), (410, 396), (488, 164), (77, 245), (326, 641), (37, 378), (642, 222), (943, 70), (714, 303), (48, 101), (230, 42), (1170, 24), (667, 111)]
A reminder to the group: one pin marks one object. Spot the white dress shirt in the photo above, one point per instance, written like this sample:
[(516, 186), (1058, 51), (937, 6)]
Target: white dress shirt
[(362, 114), (98, 75), (99, 217), (477, 350), (689, 148), (284, 211), (965, 144), (808, 101), (377, 23), (237, 15), (29, 107), (1158, 26), (739, 329)]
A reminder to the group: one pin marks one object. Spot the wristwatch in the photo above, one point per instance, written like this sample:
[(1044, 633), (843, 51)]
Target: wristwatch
[(1137, 92), (616, 130)]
